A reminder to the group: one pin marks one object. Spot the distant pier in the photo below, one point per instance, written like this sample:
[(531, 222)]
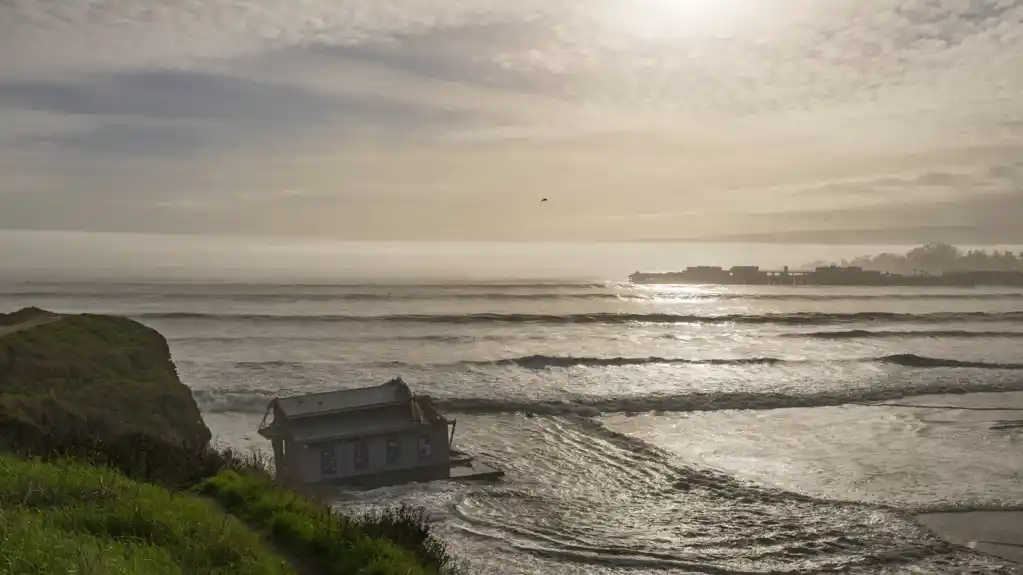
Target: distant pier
[(825, 276)]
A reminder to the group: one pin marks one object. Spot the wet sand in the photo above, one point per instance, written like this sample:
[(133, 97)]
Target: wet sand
[(997, 533)]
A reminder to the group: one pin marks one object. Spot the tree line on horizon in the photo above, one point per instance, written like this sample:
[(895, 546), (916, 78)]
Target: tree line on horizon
[(934, 258)]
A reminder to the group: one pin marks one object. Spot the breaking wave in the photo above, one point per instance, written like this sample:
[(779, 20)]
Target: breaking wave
[(432, 337), (547, 361), (805, 318), (842, 296), (489, 292), (868, 334), (708, 401), (286, 297), (541, 362), (864, 296), (913, 360), (241, 400), (235, 400), (557, 361), (475, 338)]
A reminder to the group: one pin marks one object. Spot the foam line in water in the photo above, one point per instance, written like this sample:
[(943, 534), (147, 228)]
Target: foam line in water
[(255, 400), (547, 361), (803, 318), (487, 293), (899, 334), (583, 494)]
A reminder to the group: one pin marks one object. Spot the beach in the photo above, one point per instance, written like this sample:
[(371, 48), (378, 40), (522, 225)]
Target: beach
[(647, 429), (998, 533), (995, 532)]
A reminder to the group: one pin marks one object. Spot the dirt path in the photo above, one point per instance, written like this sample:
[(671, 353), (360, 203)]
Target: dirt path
[(9, 329), (300, 567)]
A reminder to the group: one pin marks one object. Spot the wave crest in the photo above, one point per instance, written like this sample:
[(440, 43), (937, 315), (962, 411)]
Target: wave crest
[(546, 361), (539, 362), (892, 334), (256, 400), (804, 318)]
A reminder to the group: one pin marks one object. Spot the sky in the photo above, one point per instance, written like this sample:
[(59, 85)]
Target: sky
[(784, 121)]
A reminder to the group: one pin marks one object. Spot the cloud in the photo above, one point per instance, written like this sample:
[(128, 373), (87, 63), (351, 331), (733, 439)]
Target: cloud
[(982, 207), (168, 95), (169, 111), (641, 117)]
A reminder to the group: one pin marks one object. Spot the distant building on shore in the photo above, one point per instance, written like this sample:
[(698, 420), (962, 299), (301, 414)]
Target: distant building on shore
[(825, 276)]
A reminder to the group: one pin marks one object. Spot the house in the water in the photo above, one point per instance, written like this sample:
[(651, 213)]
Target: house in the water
[(368, 437)]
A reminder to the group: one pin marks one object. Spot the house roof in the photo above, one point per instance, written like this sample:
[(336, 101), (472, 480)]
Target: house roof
[(394, 391), (313, 429)]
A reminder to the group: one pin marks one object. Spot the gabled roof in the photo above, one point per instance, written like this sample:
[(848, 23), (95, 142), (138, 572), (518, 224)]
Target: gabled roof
[(311, 429), (394, 391)]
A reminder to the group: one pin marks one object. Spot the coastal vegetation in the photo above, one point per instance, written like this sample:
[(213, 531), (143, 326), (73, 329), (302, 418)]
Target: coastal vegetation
[(22, 316), (93, 376), (66, 517), (396, 541), (935, 258), (105, 465)]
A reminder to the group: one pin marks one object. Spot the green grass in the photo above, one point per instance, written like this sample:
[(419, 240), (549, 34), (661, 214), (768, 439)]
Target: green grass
[(71, 518), (94, 375), (99, 388), (397, 542), (22, 316), (147, 494)]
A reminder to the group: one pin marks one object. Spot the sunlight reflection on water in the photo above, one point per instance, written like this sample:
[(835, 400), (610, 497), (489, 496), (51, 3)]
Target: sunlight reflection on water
[(927, 458)]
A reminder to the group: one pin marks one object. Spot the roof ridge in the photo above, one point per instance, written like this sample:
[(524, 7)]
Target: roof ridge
[(394, 381)]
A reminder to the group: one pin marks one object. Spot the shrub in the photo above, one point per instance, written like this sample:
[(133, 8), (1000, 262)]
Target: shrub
[(394, 541), (138, 456)]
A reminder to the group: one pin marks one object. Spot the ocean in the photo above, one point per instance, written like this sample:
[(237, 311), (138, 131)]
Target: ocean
[(643, 429)]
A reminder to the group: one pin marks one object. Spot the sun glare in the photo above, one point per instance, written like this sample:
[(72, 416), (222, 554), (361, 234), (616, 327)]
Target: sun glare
[(684, 8), (668, 18)]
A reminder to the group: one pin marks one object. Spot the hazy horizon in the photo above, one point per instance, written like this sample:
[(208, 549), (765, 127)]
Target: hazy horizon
[(79, 256), (786, 121)]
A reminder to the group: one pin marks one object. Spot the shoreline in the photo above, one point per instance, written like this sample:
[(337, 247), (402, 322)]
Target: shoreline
[(997, 533)]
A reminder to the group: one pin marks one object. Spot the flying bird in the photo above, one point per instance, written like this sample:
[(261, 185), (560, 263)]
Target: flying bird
[(543, 200)]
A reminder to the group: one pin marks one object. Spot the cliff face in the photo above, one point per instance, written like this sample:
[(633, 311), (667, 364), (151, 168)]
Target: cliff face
[(93, 376)]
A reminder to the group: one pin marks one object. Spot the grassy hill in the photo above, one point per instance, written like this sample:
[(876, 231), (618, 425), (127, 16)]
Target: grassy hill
[(105, 468), (66, 518), (94, 375)]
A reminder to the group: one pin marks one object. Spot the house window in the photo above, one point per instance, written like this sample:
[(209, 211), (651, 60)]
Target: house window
[(328, 459), (425, 449), (360, 454), (393, 450)]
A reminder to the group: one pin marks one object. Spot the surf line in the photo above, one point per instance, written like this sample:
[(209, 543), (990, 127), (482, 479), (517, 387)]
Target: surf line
[(915, 406)]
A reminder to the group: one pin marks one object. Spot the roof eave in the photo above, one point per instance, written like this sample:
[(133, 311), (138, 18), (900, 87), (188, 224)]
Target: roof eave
[(341, 410)]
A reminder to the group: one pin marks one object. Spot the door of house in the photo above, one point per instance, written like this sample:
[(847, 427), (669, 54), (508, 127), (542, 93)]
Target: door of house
[(360, 454), (328, 459)]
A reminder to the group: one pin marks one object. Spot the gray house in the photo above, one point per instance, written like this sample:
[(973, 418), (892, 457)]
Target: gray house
[(367, 437)]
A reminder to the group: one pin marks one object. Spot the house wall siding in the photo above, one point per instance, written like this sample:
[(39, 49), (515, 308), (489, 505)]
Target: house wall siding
[(294, 458), (376, 449)]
